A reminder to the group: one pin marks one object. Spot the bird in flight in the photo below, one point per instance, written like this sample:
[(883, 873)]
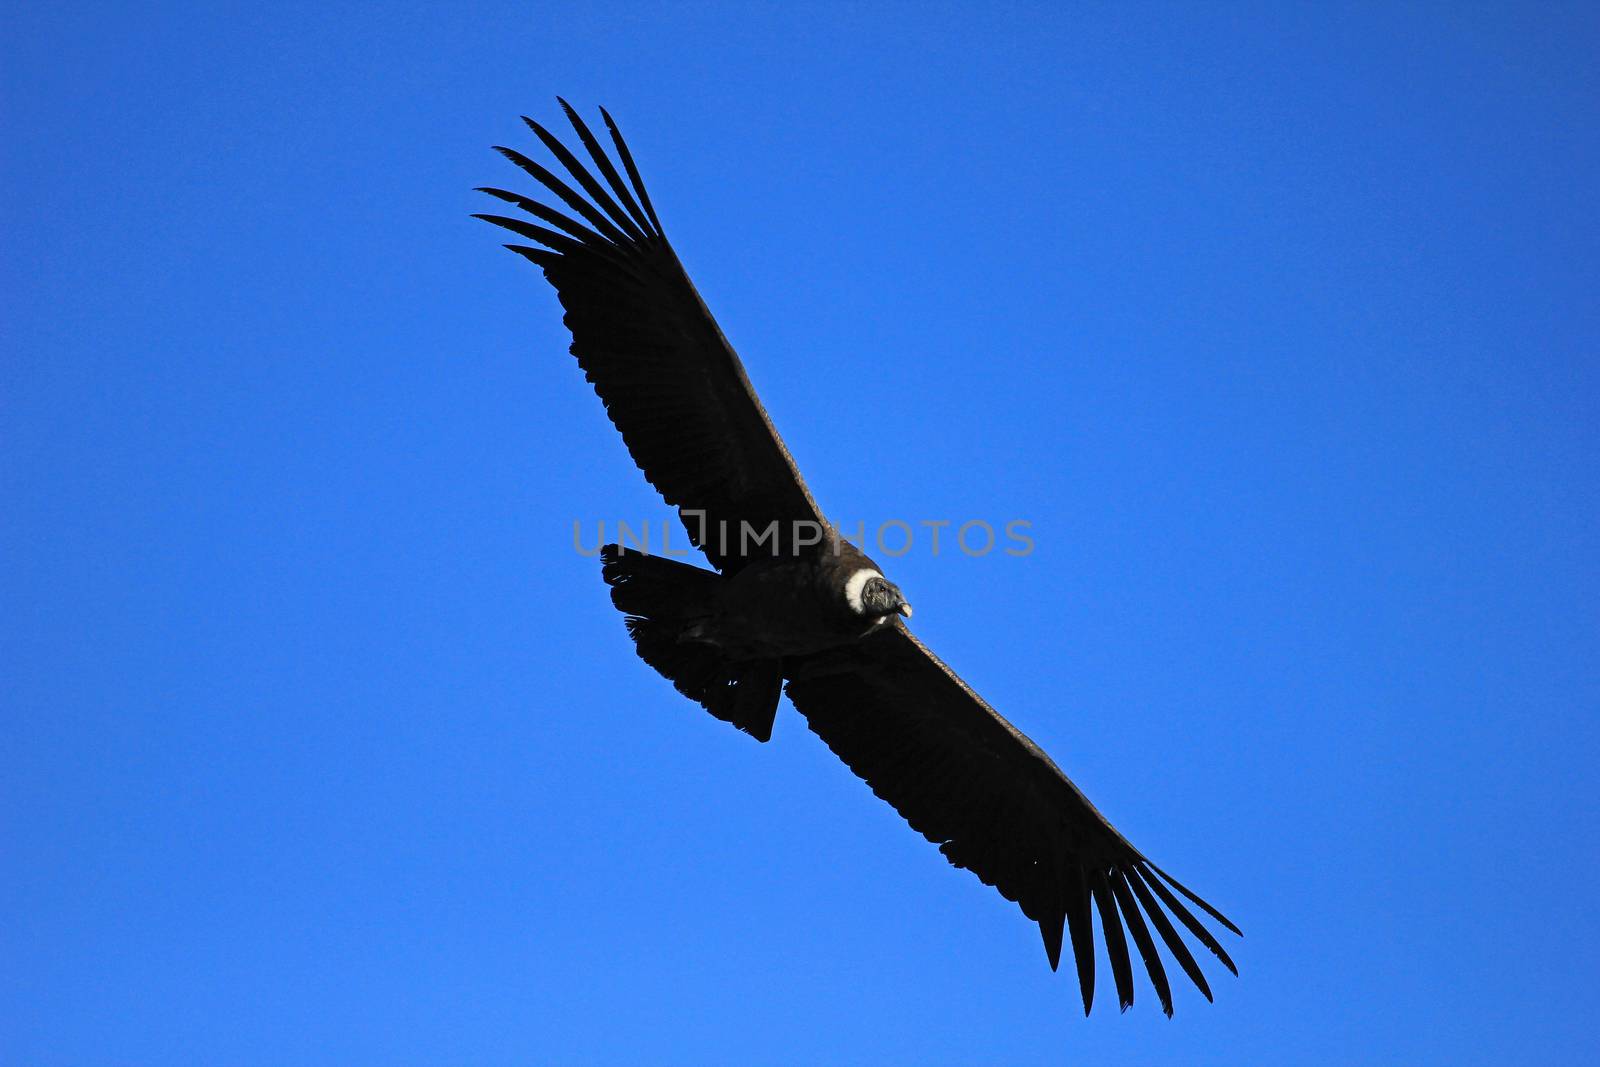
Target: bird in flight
[(791, 607)]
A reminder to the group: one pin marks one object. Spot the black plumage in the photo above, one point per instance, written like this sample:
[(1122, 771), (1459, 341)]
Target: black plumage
[(806, 611)]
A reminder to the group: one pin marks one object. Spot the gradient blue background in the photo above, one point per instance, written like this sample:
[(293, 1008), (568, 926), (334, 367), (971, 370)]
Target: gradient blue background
[(321, 745)]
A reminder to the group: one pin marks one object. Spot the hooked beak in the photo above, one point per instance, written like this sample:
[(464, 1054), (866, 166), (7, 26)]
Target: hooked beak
[(904, 609)]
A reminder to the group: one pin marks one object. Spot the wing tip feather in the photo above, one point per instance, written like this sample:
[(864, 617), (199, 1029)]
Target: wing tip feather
[(1051, 928), (1195, 897)]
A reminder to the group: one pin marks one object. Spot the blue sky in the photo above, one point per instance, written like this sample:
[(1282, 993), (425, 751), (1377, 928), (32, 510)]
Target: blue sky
[(322, 745)]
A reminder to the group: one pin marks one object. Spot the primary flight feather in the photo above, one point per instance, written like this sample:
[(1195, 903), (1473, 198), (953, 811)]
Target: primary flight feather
[(792, 607)]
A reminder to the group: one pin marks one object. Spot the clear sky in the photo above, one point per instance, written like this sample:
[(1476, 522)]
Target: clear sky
[(322, 745)]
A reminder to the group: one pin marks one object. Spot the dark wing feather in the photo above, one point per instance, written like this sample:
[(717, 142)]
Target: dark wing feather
[(670, 381), (994, 803)]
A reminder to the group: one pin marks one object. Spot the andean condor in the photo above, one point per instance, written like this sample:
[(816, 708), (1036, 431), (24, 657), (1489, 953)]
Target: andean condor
[(793, 607)]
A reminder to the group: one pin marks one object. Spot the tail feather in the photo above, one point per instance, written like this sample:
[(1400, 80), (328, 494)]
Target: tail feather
[(667, 604)]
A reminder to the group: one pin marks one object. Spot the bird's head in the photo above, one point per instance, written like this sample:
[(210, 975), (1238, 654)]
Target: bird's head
[(873, 596)]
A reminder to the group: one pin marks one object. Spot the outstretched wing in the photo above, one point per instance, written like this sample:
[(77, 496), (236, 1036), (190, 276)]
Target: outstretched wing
[(668, 378), (994, 803)]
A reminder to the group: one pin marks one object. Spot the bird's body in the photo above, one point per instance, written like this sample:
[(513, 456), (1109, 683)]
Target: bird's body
[(791, 608)]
